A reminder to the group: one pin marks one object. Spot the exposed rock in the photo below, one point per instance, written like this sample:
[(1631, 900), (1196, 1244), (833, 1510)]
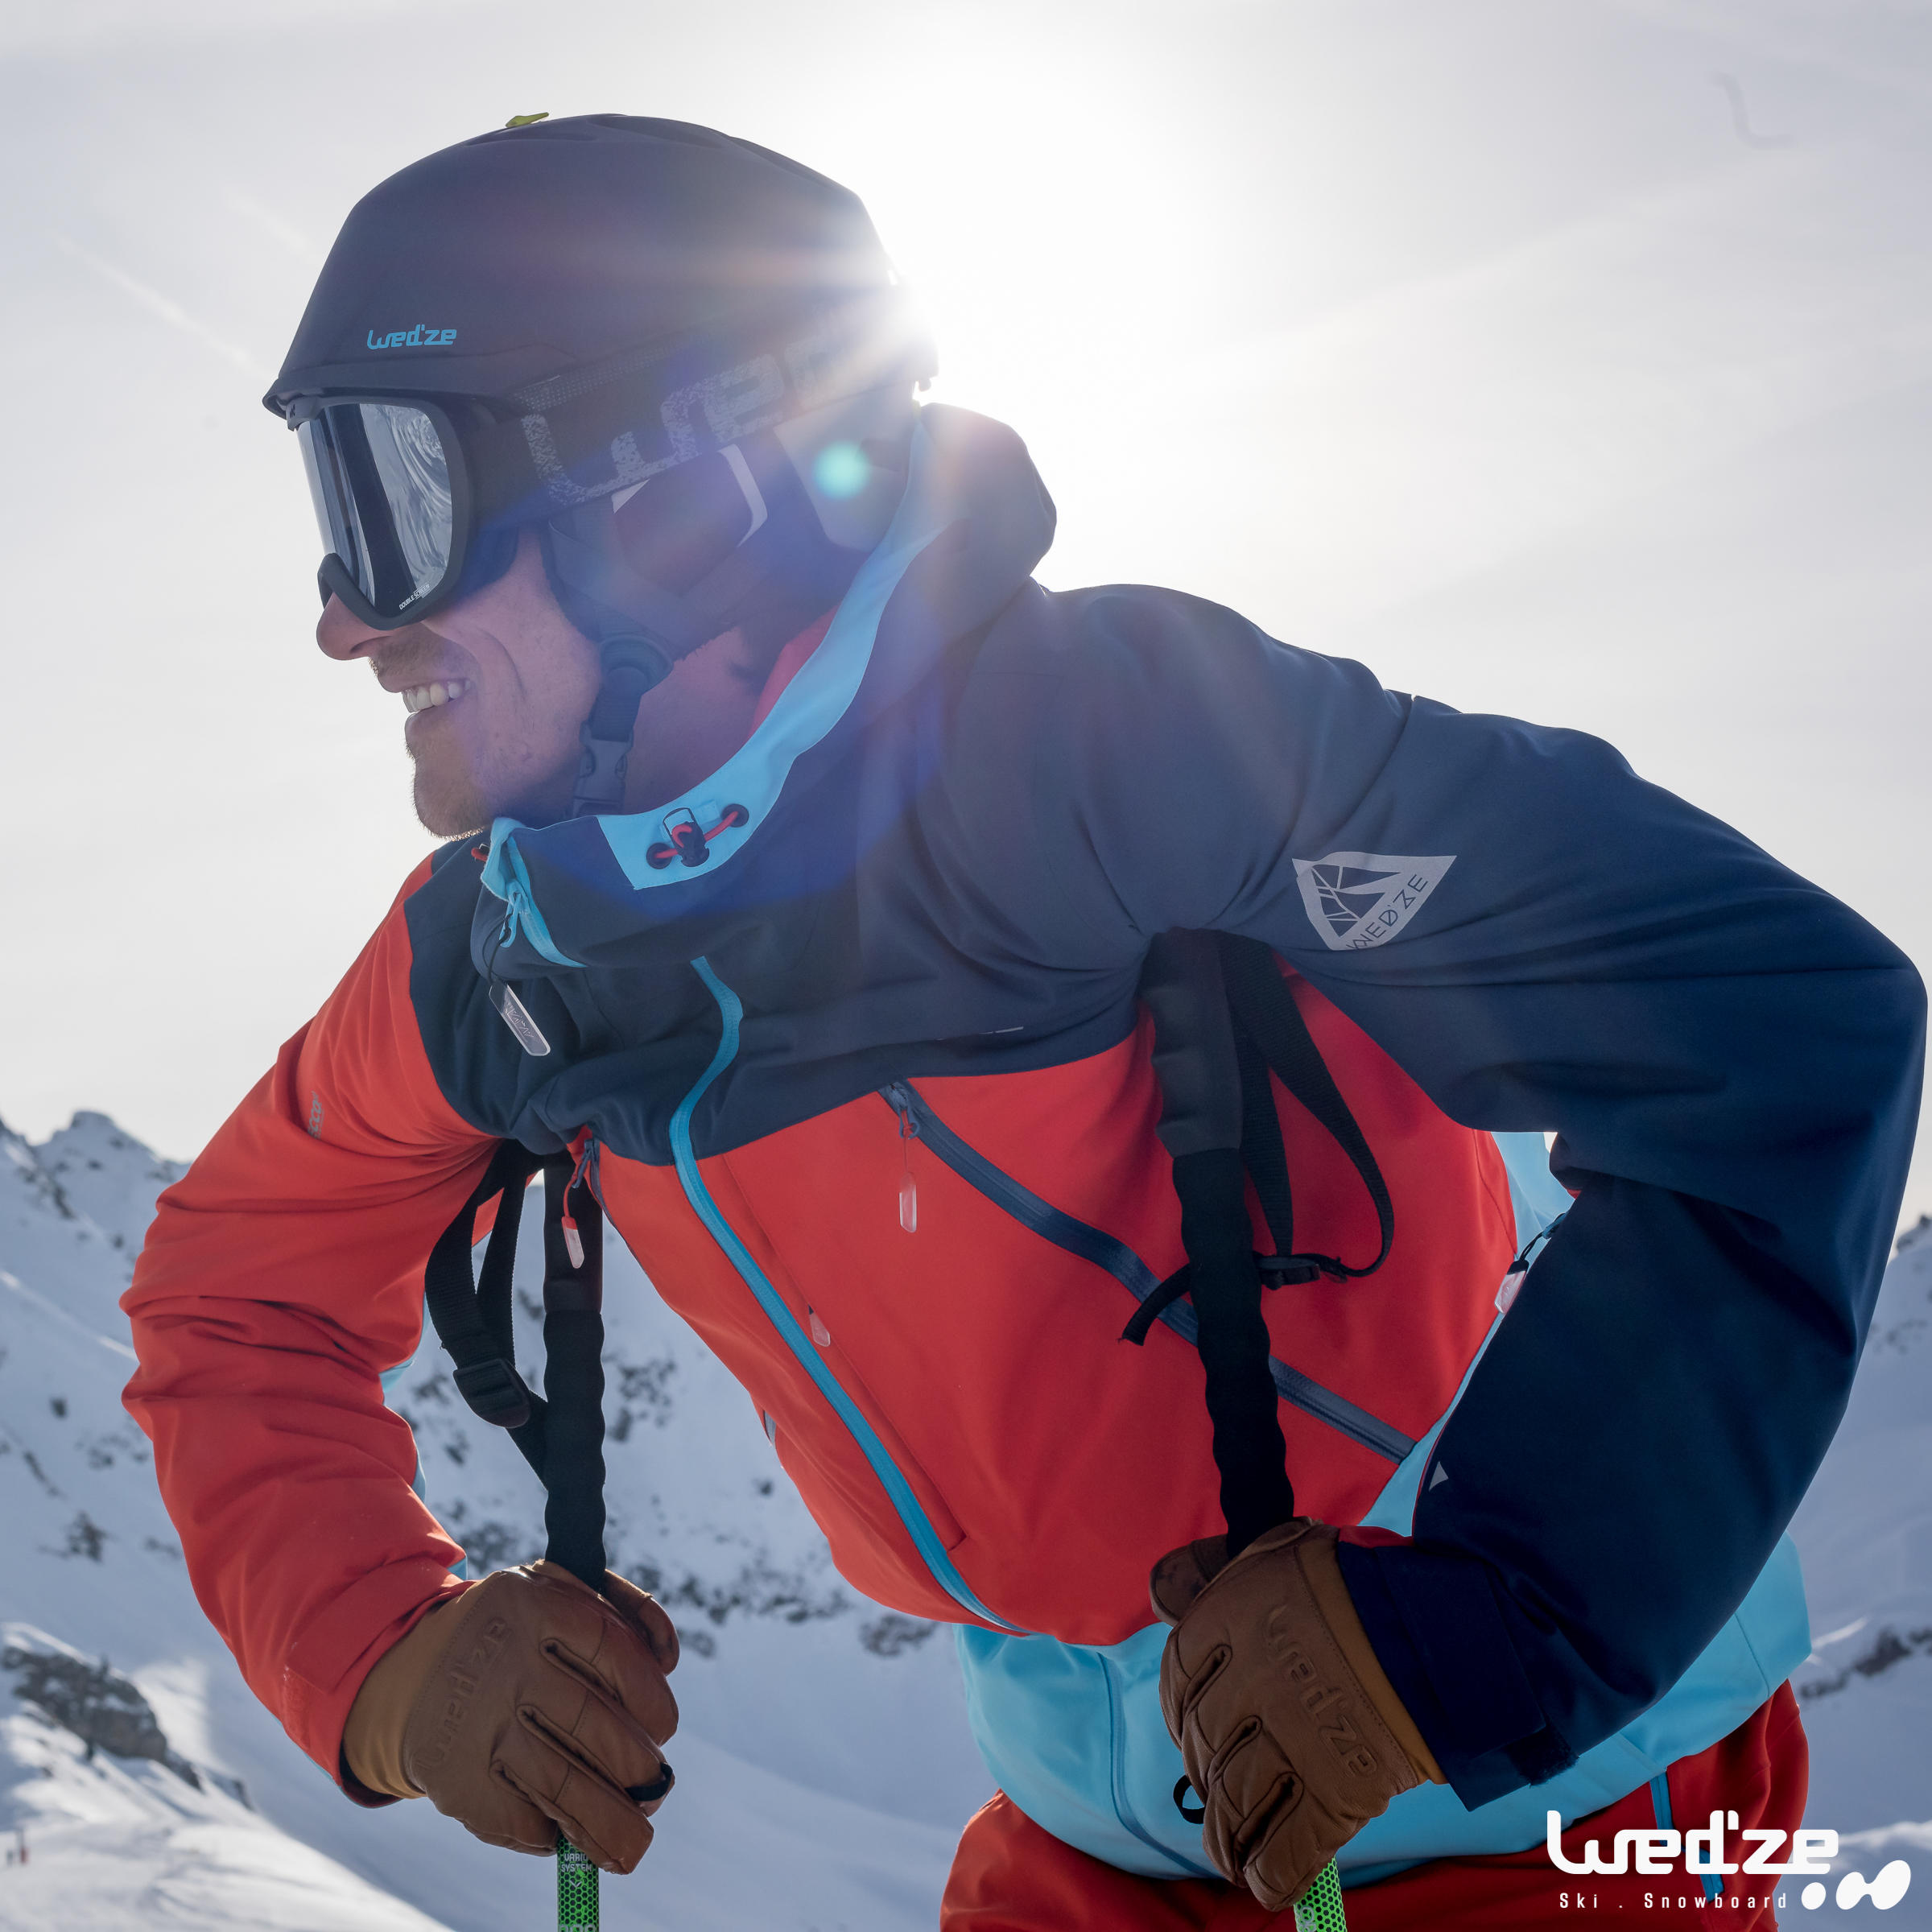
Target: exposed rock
[(103, 1709)]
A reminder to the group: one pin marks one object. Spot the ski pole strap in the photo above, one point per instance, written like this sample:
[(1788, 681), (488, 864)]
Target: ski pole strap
[(1196, 1059), (560, 1432), (1249, 1451), (1271, 1033), (572, 1465), (471, 1316)]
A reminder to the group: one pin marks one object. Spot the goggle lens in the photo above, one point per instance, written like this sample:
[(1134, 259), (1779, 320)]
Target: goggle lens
[(380, 476)]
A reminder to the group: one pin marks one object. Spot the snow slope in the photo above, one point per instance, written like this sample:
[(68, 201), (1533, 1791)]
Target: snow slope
[(824, 1769), (824, 1766), (1865, 1531)]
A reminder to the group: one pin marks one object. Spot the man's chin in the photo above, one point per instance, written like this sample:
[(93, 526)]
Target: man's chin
[(449, 811), (456, 808)]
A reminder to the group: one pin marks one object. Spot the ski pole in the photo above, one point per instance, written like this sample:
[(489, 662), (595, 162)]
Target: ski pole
[(1319, 1908), (577, 1889)]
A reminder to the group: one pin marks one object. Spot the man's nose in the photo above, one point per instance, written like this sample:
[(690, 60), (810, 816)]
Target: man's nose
[(343, 636)]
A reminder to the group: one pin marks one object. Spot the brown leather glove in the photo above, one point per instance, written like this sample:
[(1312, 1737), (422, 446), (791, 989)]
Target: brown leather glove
[(528, 1704), (1291, 1733)]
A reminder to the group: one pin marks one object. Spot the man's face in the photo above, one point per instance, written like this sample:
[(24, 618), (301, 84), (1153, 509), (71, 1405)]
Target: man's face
[(497, 684)]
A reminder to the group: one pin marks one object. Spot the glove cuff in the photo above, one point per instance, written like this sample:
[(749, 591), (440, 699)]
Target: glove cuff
[(1324, 1574), (372, 1740)]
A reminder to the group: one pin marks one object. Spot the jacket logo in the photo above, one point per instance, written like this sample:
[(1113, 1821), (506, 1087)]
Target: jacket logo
[(1358, 899), (418, 337)]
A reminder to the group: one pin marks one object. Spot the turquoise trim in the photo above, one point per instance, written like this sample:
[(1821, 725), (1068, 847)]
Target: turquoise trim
[(918, 1525), (1074, 1736), (819, 696), (1537, 1197), (1660, 1805), (504, 876), (1538, 1201)]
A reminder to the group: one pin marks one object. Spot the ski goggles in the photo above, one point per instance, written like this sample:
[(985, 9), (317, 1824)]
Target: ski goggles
[(417, 498), (394, 498)]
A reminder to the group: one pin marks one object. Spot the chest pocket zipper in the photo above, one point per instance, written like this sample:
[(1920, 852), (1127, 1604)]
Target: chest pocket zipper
[(1077, 1237)]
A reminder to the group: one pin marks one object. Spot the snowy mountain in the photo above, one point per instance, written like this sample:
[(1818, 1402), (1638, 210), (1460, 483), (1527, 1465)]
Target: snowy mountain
[(824, 1769), (1865, 1530)]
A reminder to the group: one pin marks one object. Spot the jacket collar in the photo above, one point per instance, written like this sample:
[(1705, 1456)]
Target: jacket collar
[(974, 521)]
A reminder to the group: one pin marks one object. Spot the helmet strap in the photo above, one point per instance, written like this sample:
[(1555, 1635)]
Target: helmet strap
[(783, 575)]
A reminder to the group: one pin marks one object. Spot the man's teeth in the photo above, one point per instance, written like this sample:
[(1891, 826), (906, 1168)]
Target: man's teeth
[(421, 697)]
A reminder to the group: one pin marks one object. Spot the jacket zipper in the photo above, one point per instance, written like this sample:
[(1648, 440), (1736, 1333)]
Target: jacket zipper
[(906, 1504), (917, 1121)]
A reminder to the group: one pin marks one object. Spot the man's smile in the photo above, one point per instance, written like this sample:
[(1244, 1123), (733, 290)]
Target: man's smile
[(425, 697)]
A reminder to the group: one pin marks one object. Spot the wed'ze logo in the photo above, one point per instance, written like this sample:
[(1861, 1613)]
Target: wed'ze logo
[(421, 337), (1718, 1881), (1358, 899)]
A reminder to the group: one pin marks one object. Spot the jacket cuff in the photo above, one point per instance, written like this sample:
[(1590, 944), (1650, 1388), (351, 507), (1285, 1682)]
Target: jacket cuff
[(339, 1646), (1434, 1623)]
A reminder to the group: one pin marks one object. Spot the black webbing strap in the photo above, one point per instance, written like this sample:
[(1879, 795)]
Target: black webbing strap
[(471, 1320), (1201, 1121), (1249, 1449), (561, 1432), (572, 1467), (1265, 1013), (1223, 1018), (1268, 1033)]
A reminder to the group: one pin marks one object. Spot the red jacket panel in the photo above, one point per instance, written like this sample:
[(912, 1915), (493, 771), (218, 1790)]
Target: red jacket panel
[(282, 1275)]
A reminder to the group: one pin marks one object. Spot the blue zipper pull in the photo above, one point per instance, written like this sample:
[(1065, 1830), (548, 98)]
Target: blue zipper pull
[(901, 1097)]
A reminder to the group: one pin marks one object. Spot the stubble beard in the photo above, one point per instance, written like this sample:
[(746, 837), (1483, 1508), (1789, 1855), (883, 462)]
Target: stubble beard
[(456, 794), (446, 809)]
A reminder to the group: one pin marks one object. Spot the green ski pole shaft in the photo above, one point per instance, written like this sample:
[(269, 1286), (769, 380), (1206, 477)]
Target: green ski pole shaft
[(576, 1889), (1319, 1908)]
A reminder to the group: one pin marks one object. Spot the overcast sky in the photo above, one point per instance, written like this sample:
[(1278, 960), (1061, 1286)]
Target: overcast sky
[(1574, 361)]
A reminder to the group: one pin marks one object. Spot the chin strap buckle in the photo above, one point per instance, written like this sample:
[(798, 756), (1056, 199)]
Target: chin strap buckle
[(631, 667), (600, 785)]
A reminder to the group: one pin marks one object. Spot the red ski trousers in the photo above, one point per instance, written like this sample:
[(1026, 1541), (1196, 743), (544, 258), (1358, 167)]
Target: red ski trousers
[(1010, 1876)]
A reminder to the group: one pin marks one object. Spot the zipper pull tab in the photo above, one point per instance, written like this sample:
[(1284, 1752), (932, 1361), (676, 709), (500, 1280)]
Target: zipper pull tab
[(901, 1098), (573, 1238)]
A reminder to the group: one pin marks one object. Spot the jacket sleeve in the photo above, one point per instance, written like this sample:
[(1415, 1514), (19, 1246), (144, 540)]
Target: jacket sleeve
[(1730, 1058), (281, 1274)]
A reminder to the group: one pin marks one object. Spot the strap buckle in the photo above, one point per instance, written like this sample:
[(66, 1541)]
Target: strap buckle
[(495, 1392), (1278, 1270)]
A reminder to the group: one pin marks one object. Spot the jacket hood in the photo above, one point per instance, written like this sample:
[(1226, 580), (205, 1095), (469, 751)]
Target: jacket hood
[(974, 521)]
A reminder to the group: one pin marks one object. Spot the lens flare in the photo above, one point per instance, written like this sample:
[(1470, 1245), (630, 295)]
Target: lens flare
[(841, 470)]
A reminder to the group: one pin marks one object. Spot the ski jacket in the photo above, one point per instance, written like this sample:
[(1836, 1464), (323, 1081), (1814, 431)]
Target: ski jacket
[(912, 951)]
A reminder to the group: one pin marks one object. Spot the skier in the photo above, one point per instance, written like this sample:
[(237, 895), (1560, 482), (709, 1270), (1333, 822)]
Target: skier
[(885, 944)]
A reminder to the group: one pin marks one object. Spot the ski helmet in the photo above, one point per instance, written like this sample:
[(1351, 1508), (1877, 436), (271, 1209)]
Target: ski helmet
[(665, 349)]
